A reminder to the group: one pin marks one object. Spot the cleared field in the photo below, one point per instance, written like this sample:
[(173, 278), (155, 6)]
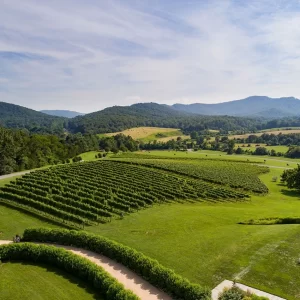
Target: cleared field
[(276, 132), (20, 281), (148, 134), (203, 240), (282, 149)]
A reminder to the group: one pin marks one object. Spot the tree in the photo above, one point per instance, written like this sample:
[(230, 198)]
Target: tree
[(292, 178), (231, 144)]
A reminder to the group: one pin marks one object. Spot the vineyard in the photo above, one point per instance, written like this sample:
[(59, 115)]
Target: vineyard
[(96, 192), (232, 174)]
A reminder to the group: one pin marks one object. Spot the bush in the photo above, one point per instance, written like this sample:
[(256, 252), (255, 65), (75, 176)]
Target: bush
[(176, 286), (71, 263), (237, 294)]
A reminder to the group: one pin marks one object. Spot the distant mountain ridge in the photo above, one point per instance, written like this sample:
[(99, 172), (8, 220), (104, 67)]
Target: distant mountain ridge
[(254, 106), (250, 114), (16, 116), (62, 113)]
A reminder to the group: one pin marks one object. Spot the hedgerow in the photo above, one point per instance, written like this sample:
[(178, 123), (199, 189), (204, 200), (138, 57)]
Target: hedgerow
[(150, 269), (80, 267)]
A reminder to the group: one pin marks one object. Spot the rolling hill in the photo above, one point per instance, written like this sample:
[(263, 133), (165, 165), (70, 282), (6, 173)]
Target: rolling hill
[(255, 106), (119, 118), (62, 113), (15, 116)]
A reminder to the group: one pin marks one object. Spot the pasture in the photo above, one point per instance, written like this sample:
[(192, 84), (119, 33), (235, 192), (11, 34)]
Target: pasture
[(200, 240), (149, 134), (275, 131), (252, 147)]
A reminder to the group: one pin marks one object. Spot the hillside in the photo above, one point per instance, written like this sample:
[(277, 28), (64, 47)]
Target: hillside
[(255, 106), (62, 113), (119, 118), (15, 116)]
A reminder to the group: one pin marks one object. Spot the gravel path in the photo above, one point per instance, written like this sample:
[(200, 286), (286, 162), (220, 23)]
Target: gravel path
[(129, 279)]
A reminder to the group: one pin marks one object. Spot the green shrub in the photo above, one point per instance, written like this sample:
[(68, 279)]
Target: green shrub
[(235, 293), (150, 269), (69, 262)]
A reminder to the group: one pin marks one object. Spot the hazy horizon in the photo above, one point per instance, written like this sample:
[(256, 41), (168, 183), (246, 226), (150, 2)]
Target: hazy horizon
[(87, 55)]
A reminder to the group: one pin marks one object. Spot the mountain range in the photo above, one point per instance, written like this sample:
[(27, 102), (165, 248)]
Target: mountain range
[(255, 106), (248, 114), (62, 113)]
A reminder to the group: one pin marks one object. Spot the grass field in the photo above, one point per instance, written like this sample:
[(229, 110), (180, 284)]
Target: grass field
[(282, 149), (149, 134), (273, 131), (20, 281), (203, 241)]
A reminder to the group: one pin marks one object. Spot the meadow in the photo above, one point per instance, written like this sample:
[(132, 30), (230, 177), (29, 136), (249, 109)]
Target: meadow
[(150, 134), (252, 147), (202, 240)]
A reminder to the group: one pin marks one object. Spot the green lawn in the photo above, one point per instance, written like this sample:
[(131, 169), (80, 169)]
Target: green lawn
[(14, 222), (19, 281), (203, 242), (88, 156), (282, 149)]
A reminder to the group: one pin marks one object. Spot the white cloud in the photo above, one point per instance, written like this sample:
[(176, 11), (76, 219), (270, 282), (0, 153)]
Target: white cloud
[(104, 53)]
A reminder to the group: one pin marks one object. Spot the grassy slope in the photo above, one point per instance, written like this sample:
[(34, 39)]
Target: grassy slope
[(148, 134), (204, 242), (20, 281)]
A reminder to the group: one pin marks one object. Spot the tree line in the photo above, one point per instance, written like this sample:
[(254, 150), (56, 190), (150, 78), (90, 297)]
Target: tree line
[(20, 150)]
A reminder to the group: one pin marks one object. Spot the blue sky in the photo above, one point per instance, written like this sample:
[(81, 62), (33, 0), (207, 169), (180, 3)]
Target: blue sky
[(87, 55)]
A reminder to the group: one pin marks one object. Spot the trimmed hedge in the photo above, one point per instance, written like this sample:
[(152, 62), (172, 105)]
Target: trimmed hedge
[(80, 267), (165, 279)]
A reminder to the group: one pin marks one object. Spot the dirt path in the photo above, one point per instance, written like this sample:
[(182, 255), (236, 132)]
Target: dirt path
[(14, 174), (129, 279)]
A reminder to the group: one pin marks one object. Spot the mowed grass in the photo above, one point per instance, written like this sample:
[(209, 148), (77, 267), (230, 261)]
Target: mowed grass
[(149, 134), (19, 281), (282, 149), (204, 242)]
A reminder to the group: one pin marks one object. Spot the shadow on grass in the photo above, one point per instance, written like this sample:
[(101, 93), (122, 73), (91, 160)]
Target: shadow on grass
[(291, 193), (63, 274), (37, 216)]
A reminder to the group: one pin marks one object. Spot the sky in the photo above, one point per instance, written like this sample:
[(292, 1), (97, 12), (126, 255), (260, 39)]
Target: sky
[(85, 55)]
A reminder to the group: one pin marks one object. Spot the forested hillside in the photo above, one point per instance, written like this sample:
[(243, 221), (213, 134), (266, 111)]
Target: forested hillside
[(20, 150), (15, 116), (118, 118)]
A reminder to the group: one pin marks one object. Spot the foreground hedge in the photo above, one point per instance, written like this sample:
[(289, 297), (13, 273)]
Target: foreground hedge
[(80, 267), (167, 280)]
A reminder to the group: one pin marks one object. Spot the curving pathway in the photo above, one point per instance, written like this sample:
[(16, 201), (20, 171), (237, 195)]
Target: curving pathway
[(129, 279)]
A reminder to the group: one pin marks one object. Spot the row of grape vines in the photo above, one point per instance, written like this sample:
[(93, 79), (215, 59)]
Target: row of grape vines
[(93, 192), (233, 174)]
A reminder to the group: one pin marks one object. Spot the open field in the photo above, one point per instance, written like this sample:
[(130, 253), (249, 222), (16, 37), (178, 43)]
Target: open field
[(202, 240), (279, 148), (149, 134), (276, 132), (41, 282)]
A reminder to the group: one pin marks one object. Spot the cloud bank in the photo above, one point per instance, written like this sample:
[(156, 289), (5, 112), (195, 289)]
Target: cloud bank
[(87, 55)]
